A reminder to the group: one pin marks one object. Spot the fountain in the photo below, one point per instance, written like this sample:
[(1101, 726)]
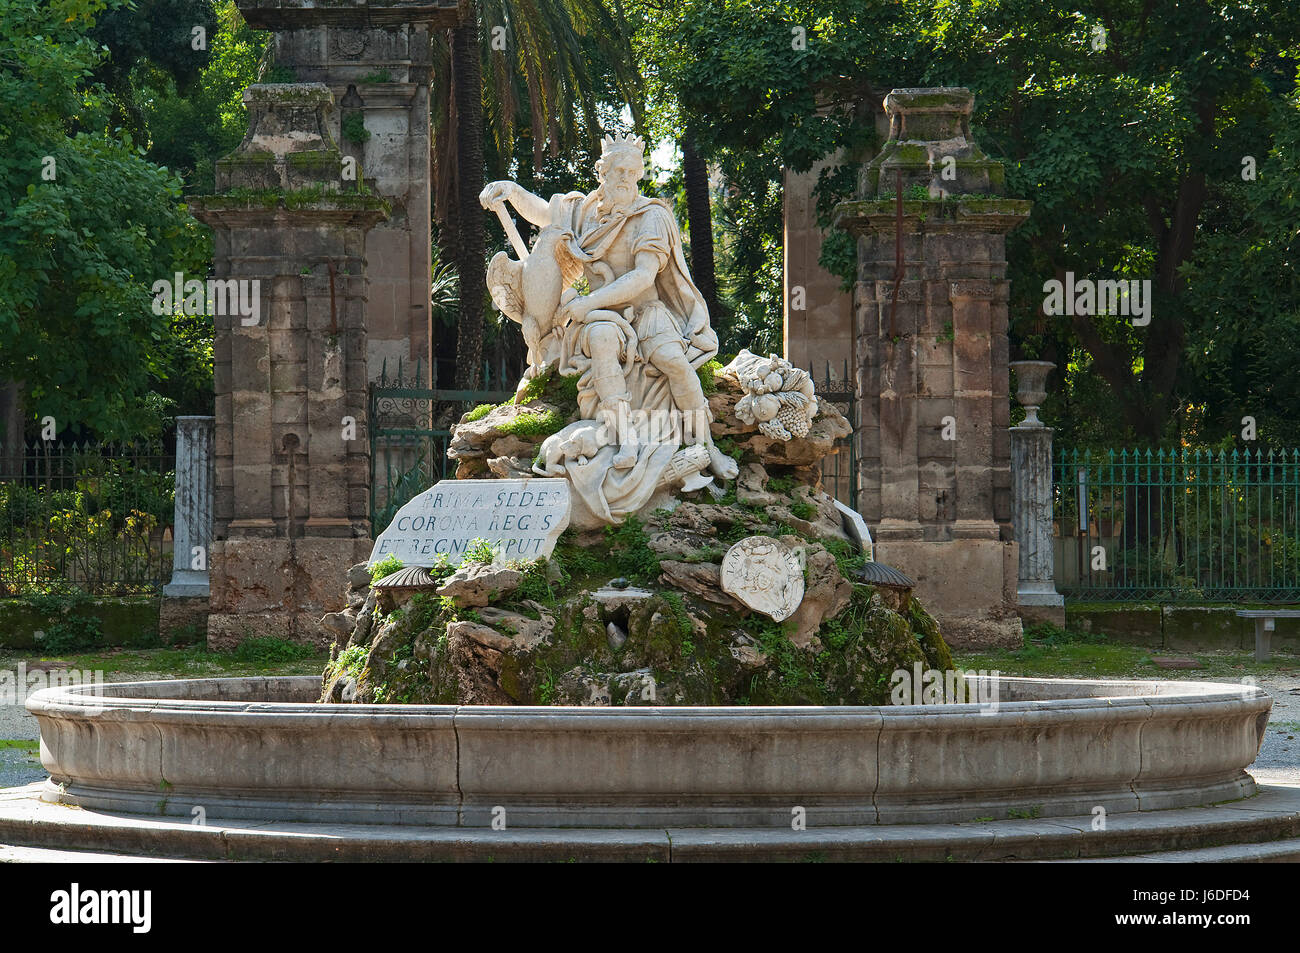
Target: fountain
[(731, 699)]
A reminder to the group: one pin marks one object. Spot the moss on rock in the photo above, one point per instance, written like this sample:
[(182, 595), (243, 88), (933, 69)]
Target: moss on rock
[(566, 637)]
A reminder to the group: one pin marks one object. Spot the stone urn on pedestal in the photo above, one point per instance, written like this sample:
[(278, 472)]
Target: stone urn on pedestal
[(1031, 387), (1031, 499)]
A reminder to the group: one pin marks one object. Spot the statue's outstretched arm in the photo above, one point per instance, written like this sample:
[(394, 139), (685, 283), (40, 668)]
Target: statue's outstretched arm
[(533, 208)]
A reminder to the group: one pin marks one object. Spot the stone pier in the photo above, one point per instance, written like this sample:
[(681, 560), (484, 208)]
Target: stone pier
[(934, 448), (291, 451), (192, 522)]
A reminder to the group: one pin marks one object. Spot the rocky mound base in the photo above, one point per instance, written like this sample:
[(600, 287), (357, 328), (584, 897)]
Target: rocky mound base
[(635, 614), (502, 441)]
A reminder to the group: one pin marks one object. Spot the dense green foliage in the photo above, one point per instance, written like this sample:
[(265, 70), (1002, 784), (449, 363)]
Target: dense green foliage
[(1127, 124), (87, 223)]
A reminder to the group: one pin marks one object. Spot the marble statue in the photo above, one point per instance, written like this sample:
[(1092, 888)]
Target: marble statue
[(634, 336)]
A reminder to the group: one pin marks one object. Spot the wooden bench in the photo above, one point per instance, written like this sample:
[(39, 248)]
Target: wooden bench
[(1264, 626)]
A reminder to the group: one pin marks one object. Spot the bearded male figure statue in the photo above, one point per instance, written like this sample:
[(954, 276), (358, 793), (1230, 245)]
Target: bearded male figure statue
[(635, 338)]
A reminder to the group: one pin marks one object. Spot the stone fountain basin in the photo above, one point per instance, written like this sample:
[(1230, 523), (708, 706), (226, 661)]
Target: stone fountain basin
[(262, 749)]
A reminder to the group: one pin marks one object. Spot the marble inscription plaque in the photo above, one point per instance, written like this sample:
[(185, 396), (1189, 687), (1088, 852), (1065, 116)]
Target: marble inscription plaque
[(523, 518)]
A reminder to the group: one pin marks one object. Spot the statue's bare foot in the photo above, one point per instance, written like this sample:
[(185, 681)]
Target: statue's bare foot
[(625, 458), (723, 466)]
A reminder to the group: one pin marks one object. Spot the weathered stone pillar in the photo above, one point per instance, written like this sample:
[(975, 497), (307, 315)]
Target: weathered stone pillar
[(934, 466), (1031, 498), (1031, 509), (184, 611), (291, 450), (375, 57), (192, 520)]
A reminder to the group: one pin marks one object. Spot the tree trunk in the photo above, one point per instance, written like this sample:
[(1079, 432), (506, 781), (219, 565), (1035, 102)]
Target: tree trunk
[(696, 173), (470, 247), (11, 429)]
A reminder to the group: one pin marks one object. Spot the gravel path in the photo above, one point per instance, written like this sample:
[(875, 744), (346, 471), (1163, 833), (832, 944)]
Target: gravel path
[(19, 766)]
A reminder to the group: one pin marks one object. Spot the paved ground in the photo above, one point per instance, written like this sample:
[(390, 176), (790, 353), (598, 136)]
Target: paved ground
[(39, 855), (1279, 757), (20, 766)]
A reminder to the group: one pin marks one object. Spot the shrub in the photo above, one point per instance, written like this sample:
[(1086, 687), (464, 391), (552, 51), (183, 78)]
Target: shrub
[(354, 128), (534, 425), (630, 552), (385, 567), (480, 550), (707, 373), (804, 511), (73, 628)]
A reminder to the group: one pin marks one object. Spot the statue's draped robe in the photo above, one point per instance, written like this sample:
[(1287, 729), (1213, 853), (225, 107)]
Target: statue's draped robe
[(611, 495)]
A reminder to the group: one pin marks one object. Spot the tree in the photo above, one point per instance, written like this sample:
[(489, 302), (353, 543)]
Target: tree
[(189, 126), (469, 246), (1245, 314), (171, 38), (1126, 125), (695, 172), (759, 95), (86, 225)]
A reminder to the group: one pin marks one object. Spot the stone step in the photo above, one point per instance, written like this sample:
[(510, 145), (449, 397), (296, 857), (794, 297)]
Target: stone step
[(10, 854), (1263, 827), (1271, 852)]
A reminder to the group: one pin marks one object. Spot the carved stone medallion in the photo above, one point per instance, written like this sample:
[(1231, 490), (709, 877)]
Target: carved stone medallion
[(764, 574)]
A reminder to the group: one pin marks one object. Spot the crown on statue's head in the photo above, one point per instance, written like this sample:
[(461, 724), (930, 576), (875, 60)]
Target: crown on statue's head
[(611, 144)]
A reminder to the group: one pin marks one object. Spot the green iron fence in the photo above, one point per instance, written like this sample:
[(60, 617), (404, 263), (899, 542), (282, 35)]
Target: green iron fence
[(1179, 525), (94, 516), (410, 428)]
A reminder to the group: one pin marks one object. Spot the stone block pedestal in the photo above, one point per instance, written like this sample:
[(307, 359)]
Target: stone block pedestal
[(279, 587), (968, 585), (183, 620), (182, 617), (1031, 495)]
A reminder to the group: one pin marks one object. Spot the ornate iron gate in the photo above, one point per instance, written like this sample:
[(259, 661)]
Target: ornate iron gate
[(840, 471), (410, 427)]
